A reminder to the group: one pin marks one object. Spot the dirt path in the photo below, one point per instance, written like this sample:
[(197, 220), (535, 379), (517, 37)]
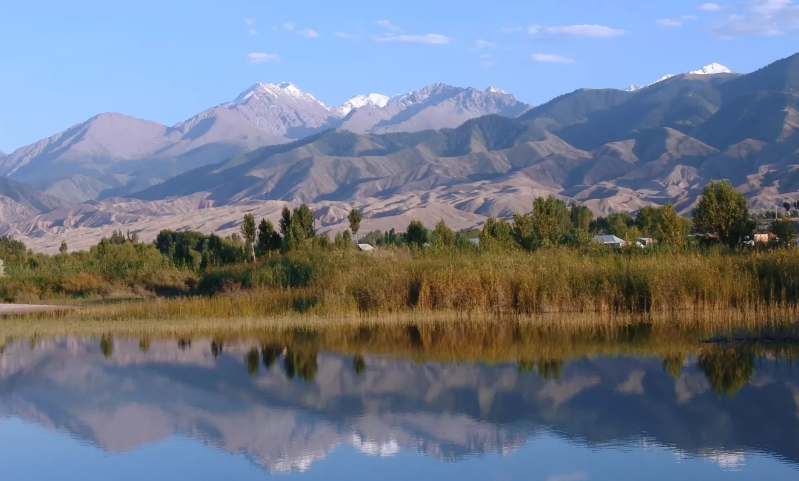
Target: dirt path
[(30, 308)]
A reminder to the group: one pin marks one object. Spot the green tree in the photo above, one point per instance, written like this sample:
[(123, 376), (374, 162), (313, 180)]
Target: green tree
[(551, 219), (295, 238), (723, 213), (670, 227), (63, 249), (581, 216), (580, 238), (784, 231), (648, 221), (618, 223), (355, 221), (416, 234), (248, 233), (522, 231), (496, 232), (443, 235), (285, 221), (304, 216), (268, 239)]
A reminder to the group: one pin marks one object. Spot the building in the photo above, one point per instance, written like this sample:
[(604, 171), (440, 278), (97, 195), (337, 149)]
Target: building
[(646, 241), (365, 248), (762, 238), (610, 240)]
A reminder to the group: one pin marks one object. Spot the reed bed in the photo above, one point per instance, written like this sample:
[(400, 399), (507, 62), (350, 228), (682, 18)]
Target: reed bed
[(559, 285), (514, 282)]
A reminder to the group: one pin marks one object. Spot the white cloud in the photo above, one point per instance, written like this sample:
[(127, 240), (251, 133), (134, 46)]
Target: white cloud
[(511, 29), (768, 7), (397, 34), (249, 22), (389, 26), (430, 39), (550, 58), (711, 7), (589, 31), (765, 18), (289, 26), (488, 63), (345, 35), (309, 33), (253, 31), (256, 58), (533, 29), (668, 22), (481, 44)]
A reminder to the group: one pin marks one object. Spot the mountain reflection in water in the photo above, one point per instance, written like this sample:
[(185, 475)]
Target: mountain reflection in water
[(286, 404)]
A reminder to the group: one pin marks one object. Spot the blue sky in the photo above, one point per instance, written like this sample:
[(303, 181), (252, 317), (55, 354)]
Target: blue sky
[(63, 62)]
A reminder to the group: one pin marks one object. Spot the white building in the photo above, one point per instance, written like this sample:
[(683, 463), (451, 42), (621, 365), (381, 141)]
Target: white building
[(610, 240)]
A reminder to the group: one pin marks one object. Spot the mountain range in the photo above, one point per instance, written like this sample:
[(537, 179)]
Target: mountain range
[(114, 154), (439, 153)]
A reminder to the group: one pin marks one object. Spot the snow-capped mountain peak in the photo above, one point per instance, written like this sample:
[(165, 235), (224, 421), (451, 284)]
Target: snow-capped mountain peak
[(495, 90), (267, 91), (636, 87), (711, 69), (360, 101)]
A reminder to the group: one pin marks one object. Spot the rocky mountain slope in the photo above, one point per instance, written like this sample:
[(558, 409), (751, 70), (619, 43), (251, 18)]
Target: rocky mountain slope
[(113, 154), (608, 149)]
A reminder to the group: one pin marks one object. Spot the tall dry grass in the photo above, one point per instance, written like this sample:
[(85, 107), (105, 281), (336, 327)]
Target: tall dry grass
[(513, 282)]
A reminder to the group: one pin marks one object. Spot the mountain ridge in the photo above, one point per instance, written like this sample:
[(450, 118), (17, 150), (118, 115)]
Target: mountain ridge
[(118, 152), (607, 149)]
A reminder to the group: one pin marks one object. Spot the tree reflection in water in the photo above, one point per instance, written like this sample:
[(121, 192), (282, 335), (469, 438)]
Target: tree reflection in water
[(301, 364), (728, 369)]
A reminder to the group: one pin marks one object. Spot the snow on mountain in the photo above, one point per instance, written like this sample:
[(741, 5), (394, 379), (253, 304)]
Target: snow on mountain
[(636, 87), (495, 90), (361, 101), (145, 153), (713, 68), (282, 90), (274, 110)]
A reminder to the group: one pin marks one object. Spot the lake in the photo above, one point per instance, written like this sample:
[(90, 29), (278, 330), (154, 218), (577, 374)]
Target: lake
[(309, 406)]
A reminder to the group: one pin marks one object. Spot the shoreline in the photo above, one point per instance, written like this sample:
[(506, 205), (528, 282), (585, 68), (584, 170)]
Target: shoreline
[(13, 309)]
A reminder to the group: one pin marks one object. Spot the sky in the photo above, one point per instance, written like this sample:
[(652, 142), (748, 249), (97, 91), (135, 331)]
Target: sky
[(63, 62)]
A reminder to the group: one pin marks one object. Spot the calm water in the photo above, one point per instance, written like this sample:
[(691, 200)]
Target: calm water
[(83, 409)]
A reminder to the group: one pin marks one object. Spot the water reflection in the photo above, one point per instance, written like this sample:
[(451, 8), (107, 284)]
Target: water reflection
[(287, 400)]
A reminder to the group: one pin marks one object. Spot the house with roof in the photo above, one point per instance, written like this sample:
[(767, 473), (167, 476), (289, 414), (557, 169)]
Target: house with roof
[(610, 240)]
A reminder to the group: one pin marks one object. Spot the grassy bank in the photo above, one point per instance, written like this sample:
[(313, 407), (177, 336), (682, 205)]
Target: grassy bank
[(346, 283), (513, 282)]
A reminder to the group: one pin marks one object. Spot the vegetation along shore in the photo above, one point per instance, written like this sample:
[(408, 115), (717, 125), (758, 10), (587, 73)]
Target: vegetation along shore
[(542, 262)]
